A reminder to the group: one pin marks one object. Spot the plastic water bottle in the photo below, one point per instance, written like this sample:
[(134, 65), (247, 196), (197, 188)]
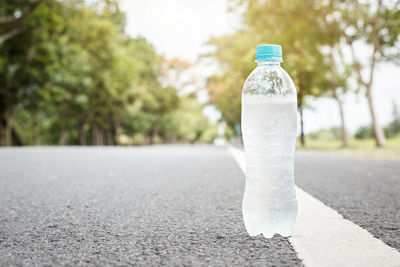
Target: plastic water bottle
[(269, 126)]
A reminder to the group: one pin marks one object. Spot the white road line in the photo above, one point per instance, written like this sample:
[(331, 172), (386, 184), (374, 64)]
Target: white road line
[(322, 237)]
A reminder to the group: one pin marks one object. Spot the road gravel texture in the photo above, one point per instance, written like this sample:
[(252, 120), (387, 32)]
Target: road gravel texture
[(365, 191), (159, 205)]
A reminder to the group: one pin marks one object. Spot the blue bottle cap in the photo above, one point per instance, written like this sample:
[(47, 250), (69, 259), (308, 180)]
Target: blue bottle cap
[(269, 52)]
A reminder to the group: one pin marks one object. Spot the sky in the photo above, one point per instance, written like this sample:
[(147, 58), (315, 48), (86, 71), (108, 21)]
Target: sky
[(181, 29)]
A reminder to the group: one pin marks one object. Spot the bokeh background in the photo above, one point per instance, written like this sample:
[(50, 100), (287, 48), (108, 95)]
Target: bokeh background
[(110, 72)]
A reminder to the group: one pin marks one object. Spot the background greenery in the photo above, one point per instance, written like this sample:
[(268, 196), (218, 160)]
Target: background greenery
[(320, 41), (70, 75)]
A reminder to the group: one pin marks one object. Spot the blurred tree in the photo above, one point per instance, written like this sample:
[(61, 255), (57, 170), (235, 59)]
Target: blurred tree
[(69, 74), (172, 73), (339, 80), (364, 132), (377, 24), (23, 55), (155, 101), (187, 123), (333, 133), (237, 61), (14, 17), (393, 129), (315, 27), (72, 76), (339, 71), (300, 37)]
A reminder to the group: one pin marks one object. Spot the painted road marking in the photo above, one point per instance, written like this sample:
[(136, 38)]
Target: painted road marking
[(322, 237)]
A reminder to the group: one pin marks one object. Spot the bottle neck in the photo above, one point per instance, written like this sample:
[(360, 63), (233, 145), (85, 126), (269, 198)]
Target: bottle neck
[(268, 63)]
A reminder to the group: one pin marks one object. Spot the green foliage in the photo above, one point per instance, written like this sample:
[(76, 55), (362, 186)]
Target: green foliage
[(313, 34), (187, 123), (73, 76), (364, 132), (301, 37), (373, 22), (393, 129), (237, 60), (326, 134)]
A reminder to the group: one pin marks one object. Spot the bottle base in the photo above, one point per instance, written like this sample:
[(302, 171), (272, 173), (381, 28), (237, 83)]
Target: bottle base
[(281, 225), (270, 234)]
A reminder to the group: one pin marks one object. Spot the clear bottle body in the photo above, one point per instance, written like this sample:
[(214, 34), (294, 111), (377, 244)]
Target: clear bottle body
[(269, 127)]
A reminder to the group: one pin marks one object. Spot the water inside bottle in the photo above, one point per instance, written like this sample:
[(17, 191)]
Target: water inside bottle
[(269, 125)]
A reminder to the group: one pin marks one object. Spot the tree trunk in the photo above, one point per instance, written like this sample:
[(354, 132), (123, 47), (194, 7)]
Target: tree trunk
[(117, 126), (82, 134), (154, 134), (93, 135), (344, 134), (100, 138), (16, 140), (63, 137), (378, 132), (374, 21), (300, 107), (37, 132), (109, 138), (1, 133), (9, 127), (146, 139), (302, 137), (97, 136), (12, 33), (26, 10)]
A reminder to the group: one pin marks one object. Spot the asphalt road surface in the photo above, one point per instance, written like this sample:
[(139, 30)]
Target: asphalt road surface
[(168, 205), (365, 191)]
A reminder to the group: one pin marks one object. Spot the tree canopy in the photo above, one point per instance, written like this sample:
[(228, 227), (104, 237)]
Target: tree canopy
[(69, 74), (314, 36)]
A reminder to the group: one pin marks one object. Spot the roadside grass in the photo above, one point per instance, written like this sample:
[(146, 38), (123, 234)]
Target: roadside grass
[(360, 147)]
